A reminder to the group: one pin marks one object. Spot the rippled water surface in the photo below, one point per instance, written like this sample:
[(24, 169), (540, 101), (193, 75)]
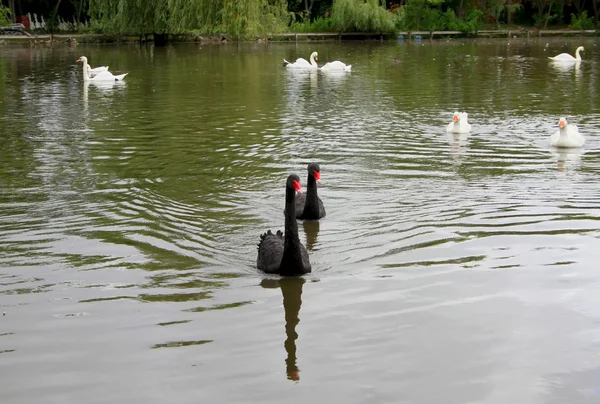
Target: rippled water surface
[(449, 268)]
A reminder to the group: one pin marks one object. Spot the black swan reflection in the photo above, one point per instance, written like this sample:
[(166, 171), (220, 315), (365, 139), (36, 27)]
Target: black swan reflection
[(291, 289)]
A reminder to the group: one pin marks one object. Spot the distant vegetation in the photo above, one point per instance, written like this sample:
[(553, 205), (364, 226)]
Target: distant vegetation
[(253, 18), (4, 15)]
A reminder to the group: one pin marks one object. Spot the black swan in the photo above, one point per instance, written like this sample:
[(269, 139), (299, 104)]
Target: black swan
[(309, 206), (284, 255)]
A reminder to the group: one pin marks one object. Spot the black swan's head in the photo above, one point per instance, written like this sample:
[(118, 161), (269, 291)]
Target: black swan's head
[(315, 171), (293, 182)]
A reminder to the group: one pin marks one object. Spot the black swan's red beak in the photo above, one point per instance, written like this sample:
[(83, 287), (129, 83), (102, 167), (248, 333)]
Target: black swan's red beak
[(317, 176), (297, 186)]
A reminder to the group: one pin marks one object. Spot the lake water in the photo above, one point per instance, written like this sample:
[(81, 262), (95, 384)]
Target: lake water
[(449, 269)]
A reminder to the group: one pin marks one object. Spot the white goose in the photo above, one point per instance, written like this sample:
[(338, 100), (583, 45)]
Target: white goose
[(94, 71), (565, 57), (101, 76), (567, 135), (301, 63), (459, 123), (336, 65)]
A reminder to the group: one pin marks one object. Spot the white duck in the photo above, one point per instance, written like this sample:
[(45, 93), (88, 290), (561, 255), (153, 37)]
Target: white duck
[(336, 65), (459, 123), (301, 63), (565, 57), (567, 135), (102, 76)]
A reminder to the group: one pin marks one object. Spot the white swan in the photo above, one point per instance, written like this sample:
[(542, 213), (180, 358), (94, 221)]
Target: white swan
[(94, 71), (102, 76), (301, 63), (565, 57), (567, 135), (336, 65), (459, 123)]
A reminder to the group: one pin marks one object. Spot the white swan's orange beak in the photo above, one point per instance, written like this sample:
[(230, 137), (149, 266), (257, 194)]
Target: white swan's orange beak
[(561, 124), (297, 187), (78, 60), (316, 58), (317, 175), (455, 118)]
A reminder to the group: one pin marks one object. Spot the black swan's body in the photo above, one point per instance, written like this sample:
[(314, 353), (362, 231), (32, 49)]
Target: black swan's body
[(284, 254), (309, 206)]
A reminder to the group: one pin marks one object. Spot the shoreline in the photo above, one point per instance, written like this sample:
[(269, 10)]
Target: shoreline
[(298, 36)]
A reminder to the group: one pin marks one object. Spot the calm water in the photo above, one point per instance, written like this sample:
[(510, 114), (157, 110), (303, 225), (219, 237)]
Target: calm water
[(449, 269)]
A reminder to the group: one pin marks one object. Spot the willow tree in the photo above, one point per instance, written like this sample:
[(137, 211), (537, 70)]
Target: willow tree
[(237, 17), (241, 18), (132, 17), (361, 16)]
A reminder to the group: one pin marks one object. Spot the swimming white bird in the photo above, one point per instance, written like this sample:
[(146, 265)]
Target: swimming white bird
[(567, 135), (301, 63), (565, 57), (336, 65), (459, 123), (102, 76), (94, 71)]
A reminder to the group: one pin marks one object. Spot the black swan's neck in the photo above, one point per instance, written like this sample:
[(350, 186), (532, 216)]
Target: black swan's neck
[(311, 205), (291, 263)]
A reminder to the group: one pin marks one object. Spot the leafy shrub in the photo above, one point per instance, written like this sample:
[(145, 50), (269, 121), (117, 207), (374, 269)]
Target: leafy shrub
[(473, 21), (582, 21), (399, 18), (422, 15), (320, 24), (361, 16), (431, 19), (412, 14), (542, 19), (4, 16)]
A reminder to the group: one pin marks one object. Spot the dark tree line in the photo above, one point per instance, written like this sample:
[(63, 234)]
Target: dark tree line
[(248, 18)]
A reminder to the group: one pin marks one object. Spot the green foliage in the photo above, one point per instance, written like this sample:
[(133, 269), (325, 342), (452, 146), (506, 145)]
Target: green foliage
[(431, 19), (398, 17), (4, 16), (320, 24), (419, 15), (135, 17), (201, 15), (425, 15), (251, 18), (240, 18), (361, 16), (582, 21), (542, 20), (513, 8), (496, 8), (547, 12), (473, 21)]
